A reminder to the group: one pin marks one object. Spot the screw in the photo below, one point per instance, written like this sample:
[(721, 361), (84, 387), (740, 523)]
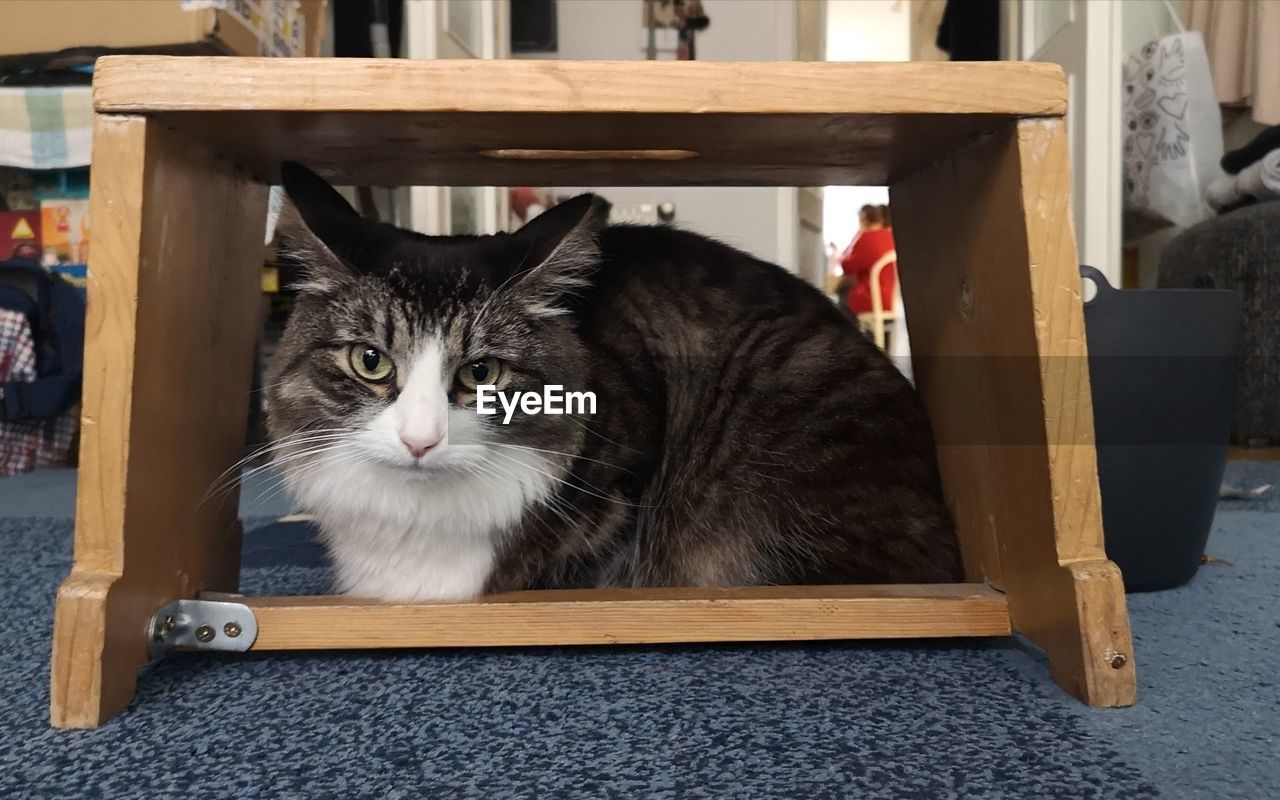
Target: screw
[(1118, 660), (231, 629), (161, 631), (966, 300), (204, 633)]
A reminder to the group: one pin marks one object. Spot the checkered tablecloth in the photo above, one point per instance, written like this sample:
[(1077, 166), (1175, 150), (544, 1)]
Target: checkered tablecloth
[(29, 444), (46, 127)]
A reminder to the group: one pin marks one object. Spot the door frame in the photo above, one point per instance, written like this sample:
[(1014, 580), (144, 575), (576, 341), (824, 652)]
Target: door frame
[(1099, 175), (427, 37)]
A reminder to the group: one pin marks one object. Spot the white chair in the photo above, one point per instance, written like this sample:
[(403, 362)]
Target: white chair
[(879, 316)]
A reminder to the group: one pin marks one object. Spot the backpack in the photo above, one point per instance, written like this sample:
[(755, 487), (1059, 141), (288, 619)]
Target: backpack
[(55, 312)]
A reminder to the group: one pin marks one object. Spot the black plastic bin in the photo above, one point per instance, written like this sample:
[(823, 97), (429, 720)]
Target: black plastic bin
[(1162, 366)]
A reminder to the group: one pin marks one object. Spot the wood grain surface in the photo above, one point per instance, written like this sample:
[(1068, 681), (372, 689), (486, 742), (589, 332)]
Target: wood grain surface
[(175, 268), (403, 122), (990, 282), (622, 616)]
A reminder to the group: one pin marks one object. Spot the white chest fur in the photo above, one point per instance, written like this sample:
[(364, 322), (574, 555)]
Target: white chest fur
[(401, 537)]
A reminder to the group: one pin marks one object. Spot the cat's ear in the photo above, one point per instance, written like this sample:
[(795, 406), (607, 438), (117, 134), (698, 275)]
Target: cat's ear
[(324, 231), (561, 244)]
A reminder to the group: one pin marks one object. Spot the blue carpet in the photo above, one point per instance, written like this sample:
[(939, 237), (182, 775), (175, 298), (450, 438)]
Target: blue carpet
[(912, 720), (1250, 475), (52, 493)]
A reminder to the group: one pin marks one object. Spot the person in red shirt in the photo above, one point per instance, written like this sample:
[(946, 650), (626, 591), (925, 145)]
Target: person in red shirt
[(874, 239)]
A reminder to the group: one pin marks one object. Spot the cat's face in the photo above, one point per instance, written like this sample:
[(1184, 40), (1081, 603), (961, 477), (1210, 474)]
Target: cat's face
[(394, 335)]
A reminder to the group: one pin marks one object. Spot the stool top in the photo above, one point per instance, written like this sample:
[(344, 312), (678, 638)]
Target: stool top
[(533, 122)]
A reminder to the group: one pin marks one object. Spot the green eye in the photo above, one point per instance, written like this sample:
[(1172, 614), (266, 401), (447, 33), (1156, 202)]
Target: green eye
[(370, 363), (476, 373)]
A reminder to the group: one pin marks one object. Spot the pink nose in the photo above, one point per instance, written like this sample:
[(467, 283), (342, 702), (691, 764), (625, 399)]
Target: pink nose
[(418, 445)]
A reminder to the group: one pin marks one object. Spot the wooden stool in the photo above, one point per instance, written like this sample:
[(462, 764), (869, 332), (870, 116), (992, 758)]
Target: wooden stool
[(976, 155)]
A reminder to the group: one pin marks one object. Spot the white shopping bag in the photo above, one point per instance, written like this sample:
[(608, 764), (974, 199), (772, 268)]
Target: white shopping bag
[(1173, 129)]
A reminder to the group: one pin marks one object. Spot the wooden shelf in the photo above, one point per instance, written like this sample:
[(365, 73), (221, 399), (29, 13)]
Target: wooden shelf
[(634, 616), (401, 122), (976, 156)]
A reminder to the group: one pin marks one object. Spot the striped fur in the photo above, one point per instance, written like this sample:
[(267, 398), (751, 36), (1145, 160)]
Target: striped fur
[(746, 432)]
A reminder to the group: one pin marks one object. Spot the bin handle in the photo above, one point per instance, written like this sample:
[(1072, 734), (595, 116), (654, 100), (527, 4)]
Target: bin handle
[(1099, 281)]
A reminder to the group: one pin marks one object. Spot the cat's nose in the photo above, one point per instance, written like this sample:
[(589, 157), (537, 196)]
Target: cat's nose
[(418, 445)]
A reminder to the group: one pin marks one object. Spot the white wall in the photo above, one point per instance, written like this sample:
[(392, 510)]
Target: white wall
[(868, 30), (1144, 20), (741, 30), (840, 211), (861, 30)]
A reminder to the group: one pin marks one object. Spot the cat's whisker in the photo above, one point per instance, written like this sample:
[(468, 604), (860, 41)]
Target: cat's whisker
[(279, 484), (560, 453), (558, 479), (326, 459), (310, 449), (300, 437), (310, 452), (490, 480), (237, 477), (552, 502), (562, 509), (294, 455), (601, 436), (268, 387), (502, 471)]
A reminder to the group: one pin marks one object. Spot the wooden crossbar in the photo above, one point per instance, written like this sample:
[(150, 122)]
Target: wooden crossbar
[(635, 616)]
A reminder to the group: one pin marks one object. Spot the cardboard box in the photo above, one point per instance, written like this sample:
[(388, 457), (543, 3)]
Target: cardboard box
[(20, 235), (64, 232), (180, 27)]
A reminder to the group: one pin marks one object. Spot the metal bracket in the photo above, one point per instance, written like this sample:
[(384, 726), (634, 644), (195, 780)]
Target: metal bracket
[(202, 625)]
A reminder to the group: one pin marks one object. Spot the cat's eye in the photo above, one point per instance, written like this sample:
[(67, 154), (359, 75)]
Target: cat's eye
[(370, 363), (480, 372)]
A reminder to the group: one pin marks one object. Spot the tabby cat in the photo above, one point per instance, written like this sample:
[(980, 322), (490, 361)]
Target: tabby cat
[(745, 432)]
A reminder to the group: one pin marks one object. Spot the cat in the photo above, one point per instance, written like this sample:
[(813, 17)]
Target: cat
[(745, 431)]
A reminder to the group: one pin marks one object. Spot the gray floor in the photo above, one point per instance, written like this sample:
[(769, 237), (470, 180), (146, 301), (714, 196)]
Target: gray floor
[(920, 720), (52, 493)]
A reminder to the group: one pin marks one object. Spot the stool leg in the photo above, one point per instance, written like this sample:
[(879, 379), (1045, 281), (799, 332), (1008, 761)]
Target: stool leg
[(989, 273), (172, 311)]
